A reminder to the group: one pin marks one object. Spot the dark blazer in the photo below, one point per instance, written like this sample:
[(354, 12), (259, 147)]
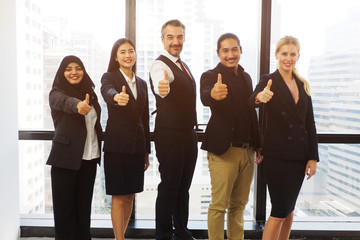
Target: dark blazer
[(70, 130), (219, 130), (127, 130), (288, 129)]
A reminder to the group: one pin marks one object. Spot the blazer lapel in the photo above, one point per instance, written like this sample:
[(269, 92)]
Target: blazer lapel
[(284, 90), (140, 90), (289, 100), (123, 82)]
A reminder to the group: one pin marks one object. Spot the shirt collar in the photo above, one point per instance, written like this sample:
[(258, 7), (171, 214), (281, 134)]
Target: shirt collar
[(169, 56), (127, 78)]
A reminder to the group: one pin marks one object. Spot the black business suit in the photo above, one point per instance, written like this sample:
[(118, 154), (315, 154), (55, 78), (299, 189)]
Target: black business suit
[(72, 178), (70, 130), (127, 131), (289, 139), (288, 128)]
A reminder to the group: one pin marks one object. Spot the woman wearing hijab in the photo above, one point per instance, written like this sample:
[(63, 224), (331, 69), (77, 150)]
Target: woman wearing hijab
[(127, 137), (75, 150)]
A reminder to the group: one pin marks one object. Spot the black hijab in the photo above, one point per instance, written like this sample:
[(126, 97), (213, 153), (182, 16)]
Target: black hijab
[(79, 90)]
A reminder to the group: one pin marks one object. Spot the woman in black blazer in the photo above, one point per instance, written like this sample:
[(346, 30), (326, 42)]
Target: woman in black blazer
[(127, 137), (290, 146), (75, 149)]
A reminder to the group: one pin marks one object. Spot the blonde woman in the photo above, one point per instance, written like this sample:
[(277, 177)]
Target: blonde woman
[(290, 146)]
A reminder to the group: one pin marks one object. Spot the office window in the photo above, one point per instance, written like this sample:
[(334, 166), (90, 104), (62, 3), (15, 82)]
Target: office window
[(330, 61), (86, 29), (205, 21)]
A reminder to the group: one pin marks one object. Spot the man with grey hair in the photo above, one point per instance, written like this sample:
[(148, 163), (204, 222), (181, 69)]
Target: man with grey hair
[(175, 138)]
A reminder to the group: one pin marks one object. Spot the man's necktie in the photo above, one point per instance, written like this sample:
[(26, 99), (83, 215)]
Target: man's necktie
[(183, 69)]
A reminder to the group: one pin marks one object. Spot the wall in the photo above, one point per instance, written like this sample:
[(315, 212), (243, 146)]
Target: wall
[(9, 176)]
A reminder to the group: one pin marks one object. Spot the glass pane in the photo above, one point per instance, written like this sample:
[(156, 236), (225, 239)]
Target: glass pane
[(329, 60), (334, 192), (329, 56), (48, 31), (35, 181), (335, 189), (205, 21)]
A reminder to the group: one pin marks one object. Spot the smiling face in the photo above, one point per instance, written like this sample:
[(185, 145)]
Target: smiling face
[(287, 56), (126, 56), (173, 39), (229, 53), (74, 73)]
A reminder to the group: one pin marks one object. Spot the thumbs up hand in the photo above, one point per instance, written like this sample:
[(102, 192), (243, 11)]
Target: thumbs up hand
[(84, 107), (163, 85), (219, 91), (122, 98), (265, 95)]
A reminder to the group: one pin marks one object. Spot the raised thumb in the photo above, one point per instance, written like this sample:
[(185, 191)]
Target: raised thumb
[(269, 84), (87, 98), (219, 80), (166, 75), (124, 89)]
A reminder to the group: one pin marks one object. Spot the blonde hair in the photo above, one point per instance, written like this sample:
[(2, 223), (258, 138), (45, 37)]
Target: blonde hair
[(291, 40)]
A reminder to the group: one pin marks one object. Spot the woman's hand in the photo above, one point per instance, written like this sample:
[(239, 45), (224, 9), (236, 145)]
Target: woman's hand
[(122, 98), (84, 107), (147, 163), (311, 168), (265, 95)]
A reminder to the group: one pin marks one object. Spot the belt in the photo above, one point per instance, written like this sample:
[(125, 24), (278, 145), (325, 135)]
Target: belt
[(241, 145)]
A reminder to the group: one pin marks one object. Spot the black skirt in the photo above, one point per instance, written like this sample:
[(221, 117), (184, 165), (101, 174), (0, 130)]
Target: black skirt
[(284, 179), (124, 173)]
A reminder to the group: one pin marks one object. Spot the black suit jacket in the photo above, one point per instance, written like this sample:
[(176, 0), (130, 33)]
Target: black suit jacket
[(127, 129), (219, 130), (288, 129), (70, 130)]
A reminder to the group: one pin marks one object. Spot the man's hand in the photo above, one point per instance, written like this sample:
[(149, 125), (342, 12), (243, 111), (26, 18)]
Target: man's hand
[(84, 107), (265, 95), (219, 91), (163, 86), (122, 98), (259, 157)]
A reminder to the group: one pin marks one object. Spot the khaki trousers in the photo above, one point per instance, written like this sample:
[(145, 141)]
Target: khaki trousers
[(231, 175)]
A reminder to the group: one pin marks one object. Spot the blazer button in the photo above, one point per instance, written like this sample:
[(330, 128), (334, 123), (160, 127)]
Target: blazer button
[(290, 138), (290, 126), (301, 126), (283, 113), (302, 139)]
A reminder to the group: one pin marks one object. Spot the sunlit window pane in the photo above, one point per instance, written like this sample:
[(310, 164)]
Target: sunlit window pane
[(47, 32), (330, 61)]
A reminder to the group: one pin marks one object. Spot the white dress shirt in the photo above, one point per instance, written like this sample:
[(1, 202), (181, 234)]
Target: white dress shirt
[(157, 71), (131, 83), (91, 148)]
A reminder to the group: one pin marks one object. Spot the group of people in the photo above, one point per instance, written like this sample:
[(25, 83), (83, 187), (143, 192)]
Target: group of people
[(284, 143)]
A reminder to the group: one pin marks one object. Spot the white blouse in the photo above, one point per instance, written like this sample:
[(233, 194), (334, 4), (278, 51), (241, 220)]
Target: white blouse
[(91, 149), (131, 83)]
